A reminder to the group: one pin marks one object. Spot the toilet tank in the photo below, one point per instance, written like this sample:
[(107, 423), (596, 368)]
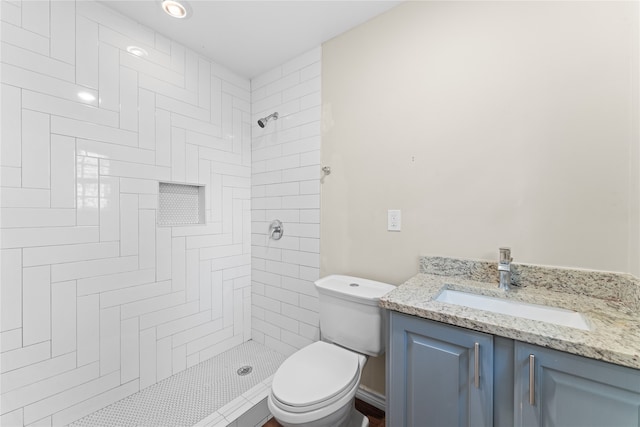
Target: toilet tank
[(349, 313)]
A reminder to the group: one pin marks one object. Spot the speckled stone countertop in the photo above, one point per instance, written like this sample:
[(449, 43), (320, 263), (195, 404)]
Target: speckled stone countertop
[(610, 303)]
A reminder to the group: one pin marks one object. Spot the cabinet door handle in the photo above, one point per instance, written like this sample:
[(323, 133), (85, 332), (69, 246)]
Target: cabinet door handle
[(476, 349), (532, 379)]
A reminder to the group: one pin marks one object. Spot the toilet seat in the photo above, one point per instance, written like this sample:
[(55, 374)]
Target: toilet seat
[(315, 377)]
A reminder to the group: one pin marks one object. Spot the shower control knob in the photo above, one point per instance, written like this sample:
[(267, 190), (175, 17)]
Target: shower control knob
[(276, 229)]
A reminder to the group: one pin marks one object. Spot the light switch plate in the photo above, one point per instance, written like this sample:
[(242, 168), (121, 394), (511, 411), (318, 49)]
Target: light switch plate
[(394, 220)]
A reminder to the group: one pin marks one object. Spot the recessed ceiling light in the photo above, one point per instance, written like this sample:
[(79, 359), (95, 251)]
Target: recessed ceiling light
[(175, 9), (86, 96), (137, 51)]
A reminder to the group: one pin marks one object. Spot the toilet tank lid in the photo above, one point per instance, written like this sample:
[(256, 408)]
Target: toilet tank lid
[(353, 287)]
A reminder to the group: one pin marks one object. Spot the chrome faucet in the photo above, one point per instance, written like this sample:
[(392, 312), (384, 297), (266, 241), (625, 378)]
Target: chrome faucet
[(504, 268)]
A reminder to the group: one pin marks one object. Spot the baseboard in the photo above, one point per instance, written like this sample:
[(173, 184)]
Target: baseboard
[(371, 397)]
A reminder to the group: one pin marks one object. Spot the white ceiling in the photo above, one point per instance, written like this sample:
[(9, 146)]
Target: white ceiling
[(252, 37)]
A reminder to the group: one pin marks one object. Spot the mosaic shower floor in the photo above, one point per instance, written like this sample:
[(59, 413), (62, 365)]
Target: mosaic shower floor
[(209, 393)]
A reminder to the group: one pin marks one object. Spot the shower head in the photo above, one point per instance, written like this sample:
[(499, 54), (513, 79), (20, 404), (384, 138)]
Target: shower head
[(263, 122)]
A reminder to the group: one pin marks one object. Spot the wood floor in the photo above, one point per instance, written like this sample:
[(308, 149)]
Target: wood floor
[(375, 415)]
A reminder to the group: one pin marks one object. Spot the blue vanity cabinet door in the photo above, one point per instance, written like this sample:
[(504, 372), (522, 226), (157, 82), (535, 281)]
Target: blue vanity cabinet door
[(432, 375), (571, 390)]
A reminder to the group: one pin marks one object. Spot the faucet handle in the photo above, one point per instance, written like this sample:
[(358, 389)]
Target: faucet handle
[(505, 255)]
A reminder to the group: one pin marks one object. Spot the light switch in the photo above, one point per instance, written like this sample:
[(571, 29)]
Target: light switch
[(394, 220)]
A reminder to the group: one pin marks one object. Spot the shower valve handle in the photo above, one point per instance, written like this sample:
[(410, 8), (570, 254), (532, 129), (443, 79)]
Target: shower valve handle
[(276, 229)]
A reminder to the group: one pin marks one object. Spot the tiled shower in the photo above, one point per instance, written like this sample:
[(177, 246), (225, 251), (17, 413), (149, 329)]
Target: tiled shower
[(98, 301)]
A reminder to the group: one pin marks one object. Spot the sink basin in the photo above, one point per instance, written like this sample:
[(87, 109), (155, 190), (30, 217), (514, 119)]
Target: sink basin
[(543, 313)]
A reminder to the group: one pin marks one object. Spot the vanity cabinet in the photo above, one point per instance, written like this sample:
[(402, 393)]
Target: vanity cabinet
[(439, 375), (431, 368), (556, 389)]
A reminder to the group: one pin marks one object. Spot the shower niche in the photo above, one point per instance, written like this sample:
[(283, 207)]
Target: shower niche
[(181, 204)]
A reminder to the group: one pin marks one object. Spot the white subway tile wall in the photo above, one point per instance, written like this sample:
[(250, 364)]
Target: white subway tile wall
[(97, 301), (286, 186)]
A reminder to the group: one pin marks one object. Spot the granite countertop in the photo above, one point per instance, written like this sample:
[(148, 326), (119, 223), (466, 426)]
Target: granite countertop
[(615, 323)]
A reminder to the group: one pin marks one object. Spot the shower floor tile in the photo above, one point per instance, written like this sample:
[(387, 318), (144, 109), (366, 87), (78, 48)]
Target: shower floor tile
[(190, 396)]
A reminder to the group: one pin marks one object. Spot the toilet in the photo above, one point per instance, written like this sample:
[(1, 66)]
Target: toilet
[(316, 386)]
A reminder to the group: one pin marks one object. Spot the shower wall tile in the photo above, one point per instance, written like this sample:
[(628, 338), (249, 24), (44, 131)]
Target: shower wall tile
[(55, 105), (178, 263), (35, 18), (10, 176), (97, 300), (46, 236), (129, 350), (140, 293), (148, 354), (13, 33), (148, 201), (18, 57), (60, 401), (129, 225), (49, 386), (133, 170), (109, 69), (62, 42), (32, 80), (14, 418), (128, 99), (19, 378), (109, 282), (11, 340), (150, 305), (109, 207), (11, 291), (146, 115), (109, 340), (87, 147), (11, 151), (63, 172), (286, 186), (25, 356), (35, 149), (36, 303), (178, 155), (87, 190), (179, 358), (68, 253), (163, 138), (164, 354), (87, 64), (11, 12), (92, 131), (25, 217), (191, 276), (147, 236), (88, 329), (87, 269), (161, 316), (63, 326)]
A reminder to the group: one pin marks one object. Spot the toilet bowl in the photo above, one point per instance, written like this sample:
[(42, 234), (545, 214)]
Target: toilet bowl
[(316, 385)]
